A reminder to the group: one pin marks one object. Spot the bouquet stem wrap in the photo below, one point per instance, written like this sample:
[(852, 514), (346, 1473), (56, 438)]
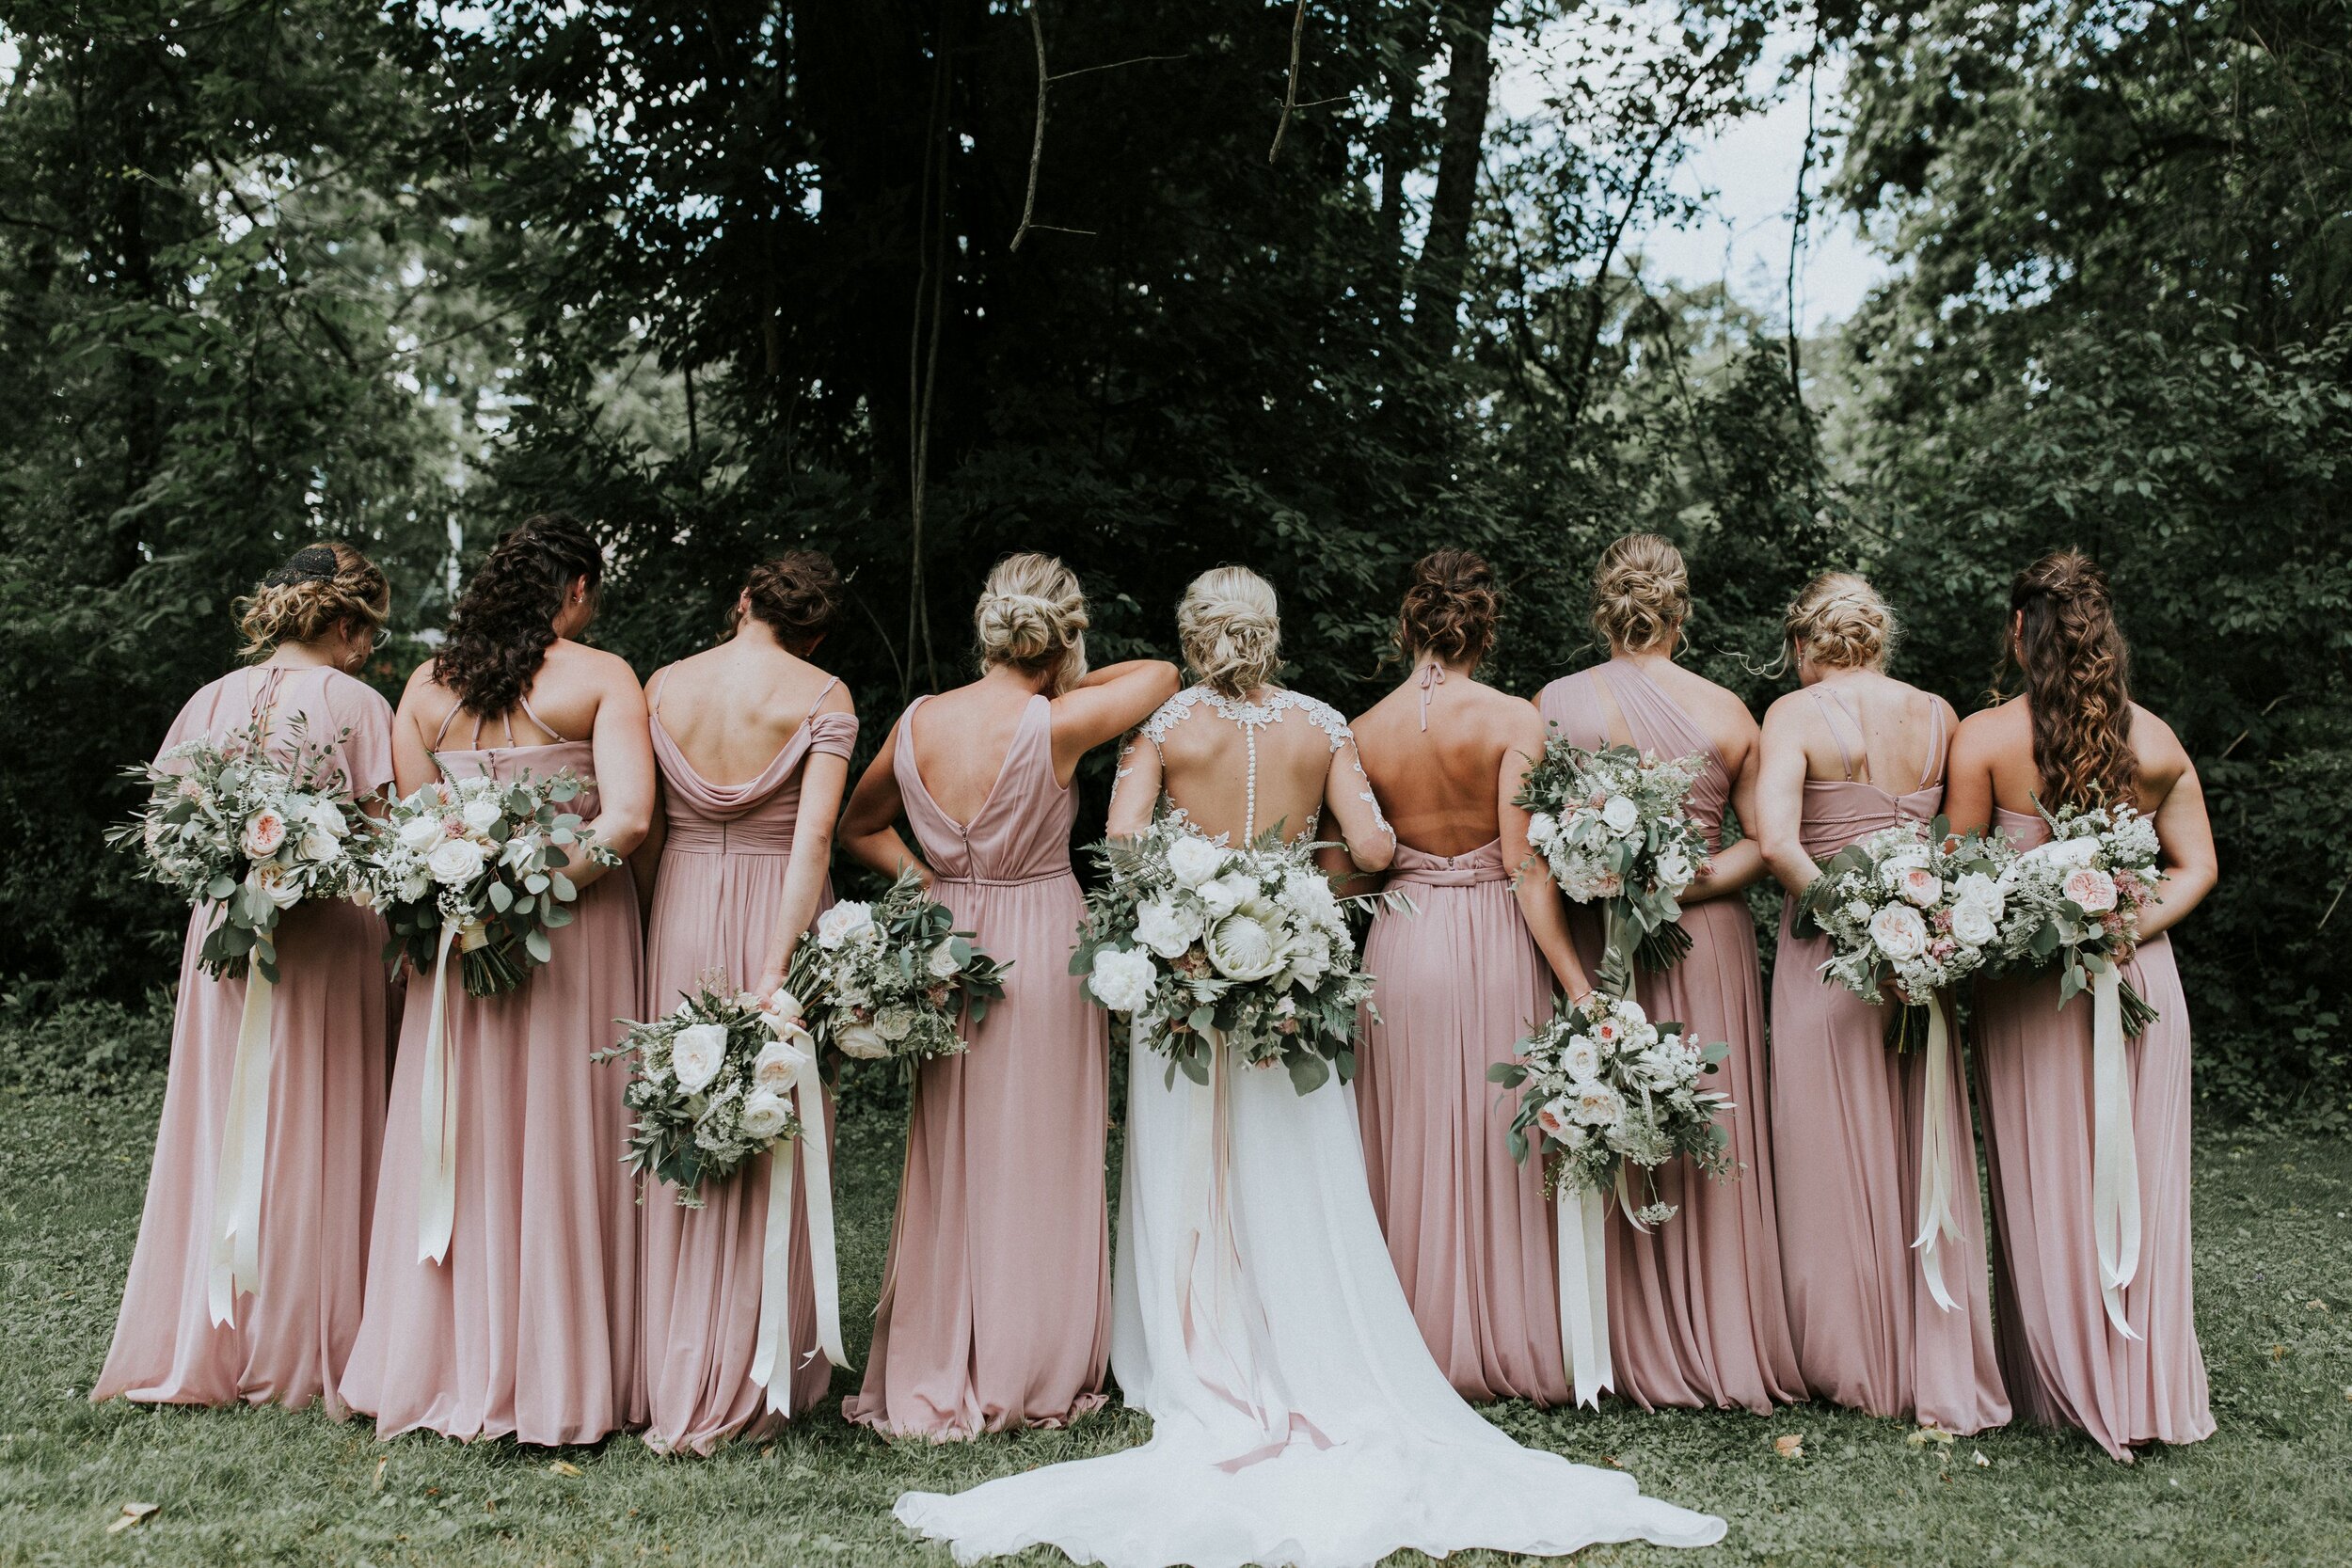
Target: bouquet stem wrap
[(243, 1154), (437, 1180), (775, 1304), (1937, 1159), (2114, 1156)]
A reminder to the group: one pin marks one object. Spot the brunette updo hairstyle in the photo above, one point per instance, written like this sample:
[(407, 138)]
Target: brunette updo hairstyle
[(1032, 616), (504, 622), (1449, 610), (1641, 592), (1231, 630), (796, 596), (1840, 621), (322, 589), (2077, 674)]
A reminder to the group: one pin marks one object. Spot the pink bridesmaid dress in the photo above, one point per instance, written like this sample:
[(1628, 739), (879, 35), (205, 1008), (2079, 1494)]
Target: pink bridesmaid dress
[(527, 1328), (1459, 982), (1846, 1114), (289, 1338), (995, 1303), (2065, 1364), (714, 909), (1698, 1315)]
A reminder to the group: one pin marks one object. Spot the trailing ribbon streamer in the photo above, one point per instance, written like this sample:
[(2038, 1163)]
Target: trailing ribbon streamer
[(436, 1179), (2114, 1155), (776, 1282), (243, 1154), (1581, 1217), (1936, 1159)]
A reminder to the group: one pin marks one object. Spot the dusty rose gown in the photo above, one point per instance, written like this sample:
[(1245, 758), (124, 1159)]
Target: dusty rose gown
[(1697, 1313), (1459, 982), (714, 908), (2064, 1364), (290, 1338), (1846, 1121), (528, 1327), (995, 1303)]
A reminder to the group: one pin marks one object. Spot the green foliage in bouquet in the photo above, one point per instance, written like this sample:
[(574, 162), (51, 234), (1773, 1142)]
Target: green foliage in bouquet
[(891, 980), (710, 1086)]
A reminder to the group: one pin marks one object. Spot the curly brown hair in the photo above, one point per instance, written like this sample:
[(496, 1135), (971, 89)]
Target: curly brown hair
[(504, 622), (796, 596), (1450, 608), (2077, 680), (320, 589)]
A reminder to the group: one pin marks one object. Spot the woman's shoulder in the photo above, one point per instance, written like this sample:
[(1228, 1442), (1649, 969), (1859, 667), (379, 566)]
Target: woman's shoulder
[(348, 694)]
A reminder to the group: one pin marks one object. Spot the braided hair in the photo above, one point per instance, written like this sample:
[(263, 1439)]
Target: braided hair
[(2077, 676), (504, 622), (320, 589)]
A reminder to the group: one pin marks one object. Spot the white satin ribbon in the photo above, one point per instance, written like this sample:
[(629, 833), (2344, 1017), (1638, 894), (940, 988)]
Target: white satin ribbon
[(1581, 1217), (2114, 1155), (436, 1174), (243, 1154), (1937, 1159), (775, 1279)]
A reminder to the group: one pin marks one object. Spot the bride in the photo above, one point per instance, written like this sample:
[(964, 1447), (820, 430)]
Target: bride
[(1298, 1418)]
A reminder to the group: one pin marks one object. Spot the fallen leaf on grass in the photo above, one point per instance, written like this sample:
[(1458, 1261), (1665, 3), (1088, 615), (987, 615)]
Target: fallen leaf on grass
[(2315, 1306), (1613, 1461), (131, 1513), (2278, 1352), (1790, 1446), (1922, 1436), (1983, 1463), (377, 1484), (562, 1467)]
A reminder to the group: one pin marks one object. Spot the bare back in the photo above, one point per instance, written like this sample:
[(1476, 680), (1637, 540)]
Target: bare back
[(961, 739), (2000, 742), (732, 709), (1867, 727), (1441, 786)]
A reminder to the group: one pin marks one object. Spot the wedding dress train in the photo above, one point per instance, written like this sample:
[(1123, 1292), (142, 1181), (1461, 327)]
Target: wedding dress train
[(1298, 1418)]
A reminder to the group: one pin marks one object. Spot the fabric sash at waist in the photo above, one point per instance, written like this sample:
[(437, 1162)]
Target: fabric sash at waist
[(1448, 876), (729, 838), (1059, 874)]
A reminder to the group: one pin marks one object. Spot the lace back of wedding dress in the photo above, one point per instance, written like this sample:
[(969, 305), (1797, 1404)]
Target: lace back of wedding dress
[(1291, 729)]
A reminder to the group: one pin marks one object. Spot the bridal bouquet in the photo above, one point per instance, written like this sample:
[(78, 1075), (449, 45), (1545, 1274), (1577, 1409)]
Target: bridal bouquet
[(1607, 1088), (479, 862), (224, 825), (711, 1085), (1905, 912), (889, 979), (1192, 938), (1612, 826), (2074, 902)]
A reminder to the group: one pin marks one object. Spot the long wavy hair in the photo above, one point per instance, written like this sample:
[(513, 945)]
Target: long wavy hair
[(504, 622), (2076, 668)]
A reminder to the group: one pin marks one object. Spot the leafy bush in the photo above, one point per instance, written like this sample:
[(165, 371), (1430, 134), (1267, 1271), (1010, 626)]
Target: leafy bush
[(85, 1048)]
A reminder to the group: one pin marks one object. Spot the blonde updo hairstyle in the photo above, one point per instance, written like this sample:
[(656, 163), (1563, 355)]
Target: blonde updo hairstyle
[(1231, 630), (1641, 593), (1840, 622), (1032, 616), (321, 589)]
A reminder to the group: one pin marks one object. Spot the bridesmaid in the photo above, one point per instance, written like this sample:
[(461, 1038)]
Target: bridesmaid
[(1461, 980), (2075, 737), (1846, 1111), (995, 1303), (742, 875), (1697, 1315), (527, 1327), (313, 622)]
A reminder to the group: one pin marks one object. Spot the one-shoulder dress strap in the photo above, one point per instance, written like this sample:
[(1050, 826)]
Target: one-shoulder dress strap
[(1832, 703)]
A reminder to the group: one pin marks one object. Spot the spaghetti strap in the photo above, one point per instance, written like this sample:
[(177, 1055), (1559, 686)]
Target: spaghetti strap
[(442, 734), (523, 701), (1829, 717), (1935, 742), (653, 694)]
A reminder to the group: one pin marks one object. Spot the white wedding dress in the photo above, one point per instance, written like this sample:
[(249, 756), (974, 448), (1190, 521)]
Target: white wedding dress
[(1298, 1418)]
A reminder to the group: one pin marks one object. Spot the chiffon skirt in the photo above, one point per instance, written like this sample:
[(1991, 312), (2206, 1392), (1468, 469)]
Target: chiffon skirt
[(291, 1339), (527, 1328), (2064, 1364)]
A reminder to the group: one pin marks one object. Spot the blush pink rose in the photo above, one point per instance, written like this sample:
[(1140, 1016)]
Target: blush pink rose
[(2092, 889), (264, 830), (1920, 887)]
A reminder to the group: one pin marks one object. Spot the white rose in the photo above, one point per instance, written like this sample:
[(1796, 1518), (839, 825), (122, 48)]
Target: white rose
[(1908, 857), (1595, 1105), (1122, 980), (1619, 813), (765, 1114), (782, 1063), (1165, 927), (894, 1024), (454, 862), (862, 1041), (270, 880), (320, 846), (421, 832), (1858, 911), (944, 964), (697, 1053), (1243, 947), (1581, 1059), (1229, 892), (1542, 829), (414, 886), (518, 851), (846, 922), (1193, 859), (1972, 925), (1983, 891), (1675, 870), (481, 814), (1897, 931)]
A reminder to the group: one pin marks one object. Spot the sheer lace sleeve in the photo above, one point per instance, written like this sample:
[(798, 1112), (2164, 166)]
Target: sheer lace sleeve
[(1348, 792), (1135, 785)]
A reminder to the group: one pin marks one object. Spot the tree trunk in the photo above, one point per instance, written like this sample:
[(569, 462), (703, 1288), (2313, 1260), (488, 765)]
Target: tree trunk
[(1445, 254)]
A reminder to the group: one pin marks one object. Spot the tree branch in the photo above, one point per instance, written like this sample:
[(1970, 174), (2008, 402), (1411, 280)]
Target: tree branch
[(1290, 92), (1037, 139)]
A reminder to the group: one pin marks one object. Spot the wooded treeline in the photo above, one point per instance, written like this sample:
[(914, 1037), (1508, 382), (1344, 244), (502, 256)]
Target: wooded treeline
[(1161, 284)]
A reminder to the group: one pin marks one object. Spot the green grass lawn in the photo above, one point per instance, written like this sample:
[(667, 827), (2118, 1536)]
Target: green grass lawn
[(2275, 1486)]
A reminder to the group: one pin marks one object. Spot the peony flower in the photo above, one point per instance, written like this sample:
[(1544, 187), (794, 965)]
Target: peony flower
[(697, 1053), (846, 922), (1620, 814), (454, 862), (481, 815), (1595, 1105), (1920, 887), (2090, 889), (1193, 859), (862, 1041), (264, 830), (1165, 927), (1555, 1118), (764, 1115), (1243, 947), (1122, 980), (1897, 931), (782, 1063)]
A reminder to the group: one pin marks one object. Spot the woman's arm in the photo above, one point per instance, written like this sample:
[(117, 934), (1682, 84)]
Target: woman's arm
[(645, 866), (1135, 787), (1741, 861), (2185, 834), (1348, 796), (1541, 906), (868, 824), (412, 757), (1968, 774), (823, 780), (1780, 797), (1106, 705), (621, 745)]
